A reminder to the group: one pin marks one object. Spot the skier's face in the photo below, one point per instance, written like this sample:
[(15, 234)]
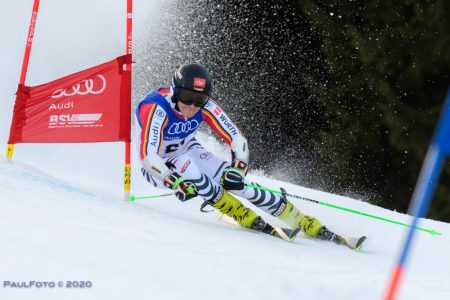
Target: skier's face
[(188, 111)]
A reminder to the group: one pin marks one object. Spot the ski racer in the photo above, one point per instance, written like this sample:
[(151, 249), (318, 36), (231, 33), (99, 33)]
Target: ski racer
[(166, 122)]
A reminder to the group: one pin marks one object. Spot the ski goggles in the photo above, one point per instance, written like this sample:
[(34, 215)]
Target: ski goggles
[(189, 97)]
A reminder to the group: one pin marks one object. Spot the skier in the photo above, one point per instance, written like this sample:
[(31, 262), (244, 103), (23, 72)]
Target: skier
[(171, 157)]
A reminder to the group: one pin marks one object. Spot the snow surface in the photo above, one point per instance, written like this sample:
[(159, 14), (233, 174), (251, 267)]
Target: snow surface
[(63, 217), (52, 230)]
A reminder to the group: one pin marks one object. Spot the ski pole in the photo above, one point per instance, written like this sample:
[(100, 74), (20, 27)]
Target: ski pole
[(430, 231), (133, 197)]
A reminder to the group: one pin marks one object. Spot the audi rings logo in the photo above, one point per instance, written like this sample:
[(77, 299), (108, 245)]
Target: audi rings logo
[(183, 127), (85, 87)]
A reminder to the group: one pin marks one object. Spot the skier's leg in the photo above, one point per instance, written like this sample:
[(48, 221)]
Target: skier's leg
[(274, 204), (210, 164), (280, 207), (210, 190), (271, 203)]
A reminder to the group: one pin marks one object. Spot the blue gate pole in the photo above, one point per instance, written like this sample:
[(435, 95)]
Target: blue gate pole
[(423, 193)]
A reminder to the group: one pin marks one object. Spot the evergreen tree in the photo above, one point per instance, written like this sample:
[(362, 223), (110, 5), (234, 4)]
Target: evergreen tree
[(387, 73)]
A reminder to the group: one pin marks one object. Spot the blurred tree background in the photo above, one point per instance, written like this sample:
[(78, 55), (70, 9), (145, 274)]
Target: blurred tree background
[(341, 96), (387, 73)]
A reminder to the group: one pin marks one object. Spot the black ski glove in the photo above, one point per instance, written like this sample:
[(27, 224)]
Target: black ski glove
[(233, 177), (184, 188)]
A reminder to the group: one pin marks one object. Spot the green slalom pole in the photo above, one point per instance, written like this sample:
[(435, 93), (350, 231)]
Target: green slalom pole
[(430, 231), (133, 197)]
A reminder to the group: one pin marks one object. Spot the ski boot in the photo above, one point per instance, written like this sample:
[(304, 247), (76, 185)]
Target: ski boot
[(351, 242), (282, 233), (312, 227), (233, 208), (327, 235), (296, 219)]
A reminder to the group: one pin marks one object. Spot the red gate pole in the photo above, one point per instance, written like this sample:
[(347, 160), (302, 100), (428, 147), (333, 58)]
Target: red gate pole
[(26, 59), (129, 51)]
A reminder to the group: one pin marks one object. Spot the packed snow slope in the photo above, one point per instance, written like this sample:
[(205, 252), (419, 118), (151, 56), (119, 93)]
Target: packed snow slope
[(52, 230)]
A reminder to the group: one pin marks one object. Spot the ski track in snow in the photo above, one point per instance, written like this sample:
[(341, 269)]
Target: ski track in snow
[(52, 230)]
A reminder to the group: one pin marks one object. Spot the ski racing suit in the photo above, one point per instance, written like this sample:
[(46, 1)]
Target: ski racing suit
[(165, 136), (167, 146)]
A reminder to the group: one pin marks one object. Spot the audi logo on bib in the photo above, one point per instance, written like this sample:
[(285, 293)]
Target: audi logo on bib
[(85, 87), (183, 127)]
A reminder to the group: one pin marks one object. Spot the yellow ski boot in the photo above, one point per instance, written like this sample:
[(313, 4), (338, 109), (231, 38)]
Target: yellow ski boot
[(312, 227), (233, 208), (296, 219)]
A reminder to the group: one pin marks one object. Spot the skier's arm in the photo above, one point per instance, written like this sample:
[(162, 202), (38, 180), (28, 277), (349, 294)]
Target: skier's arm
[(232, 177), (239, 153), (222, 125), (153, 120), (184, 189)]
